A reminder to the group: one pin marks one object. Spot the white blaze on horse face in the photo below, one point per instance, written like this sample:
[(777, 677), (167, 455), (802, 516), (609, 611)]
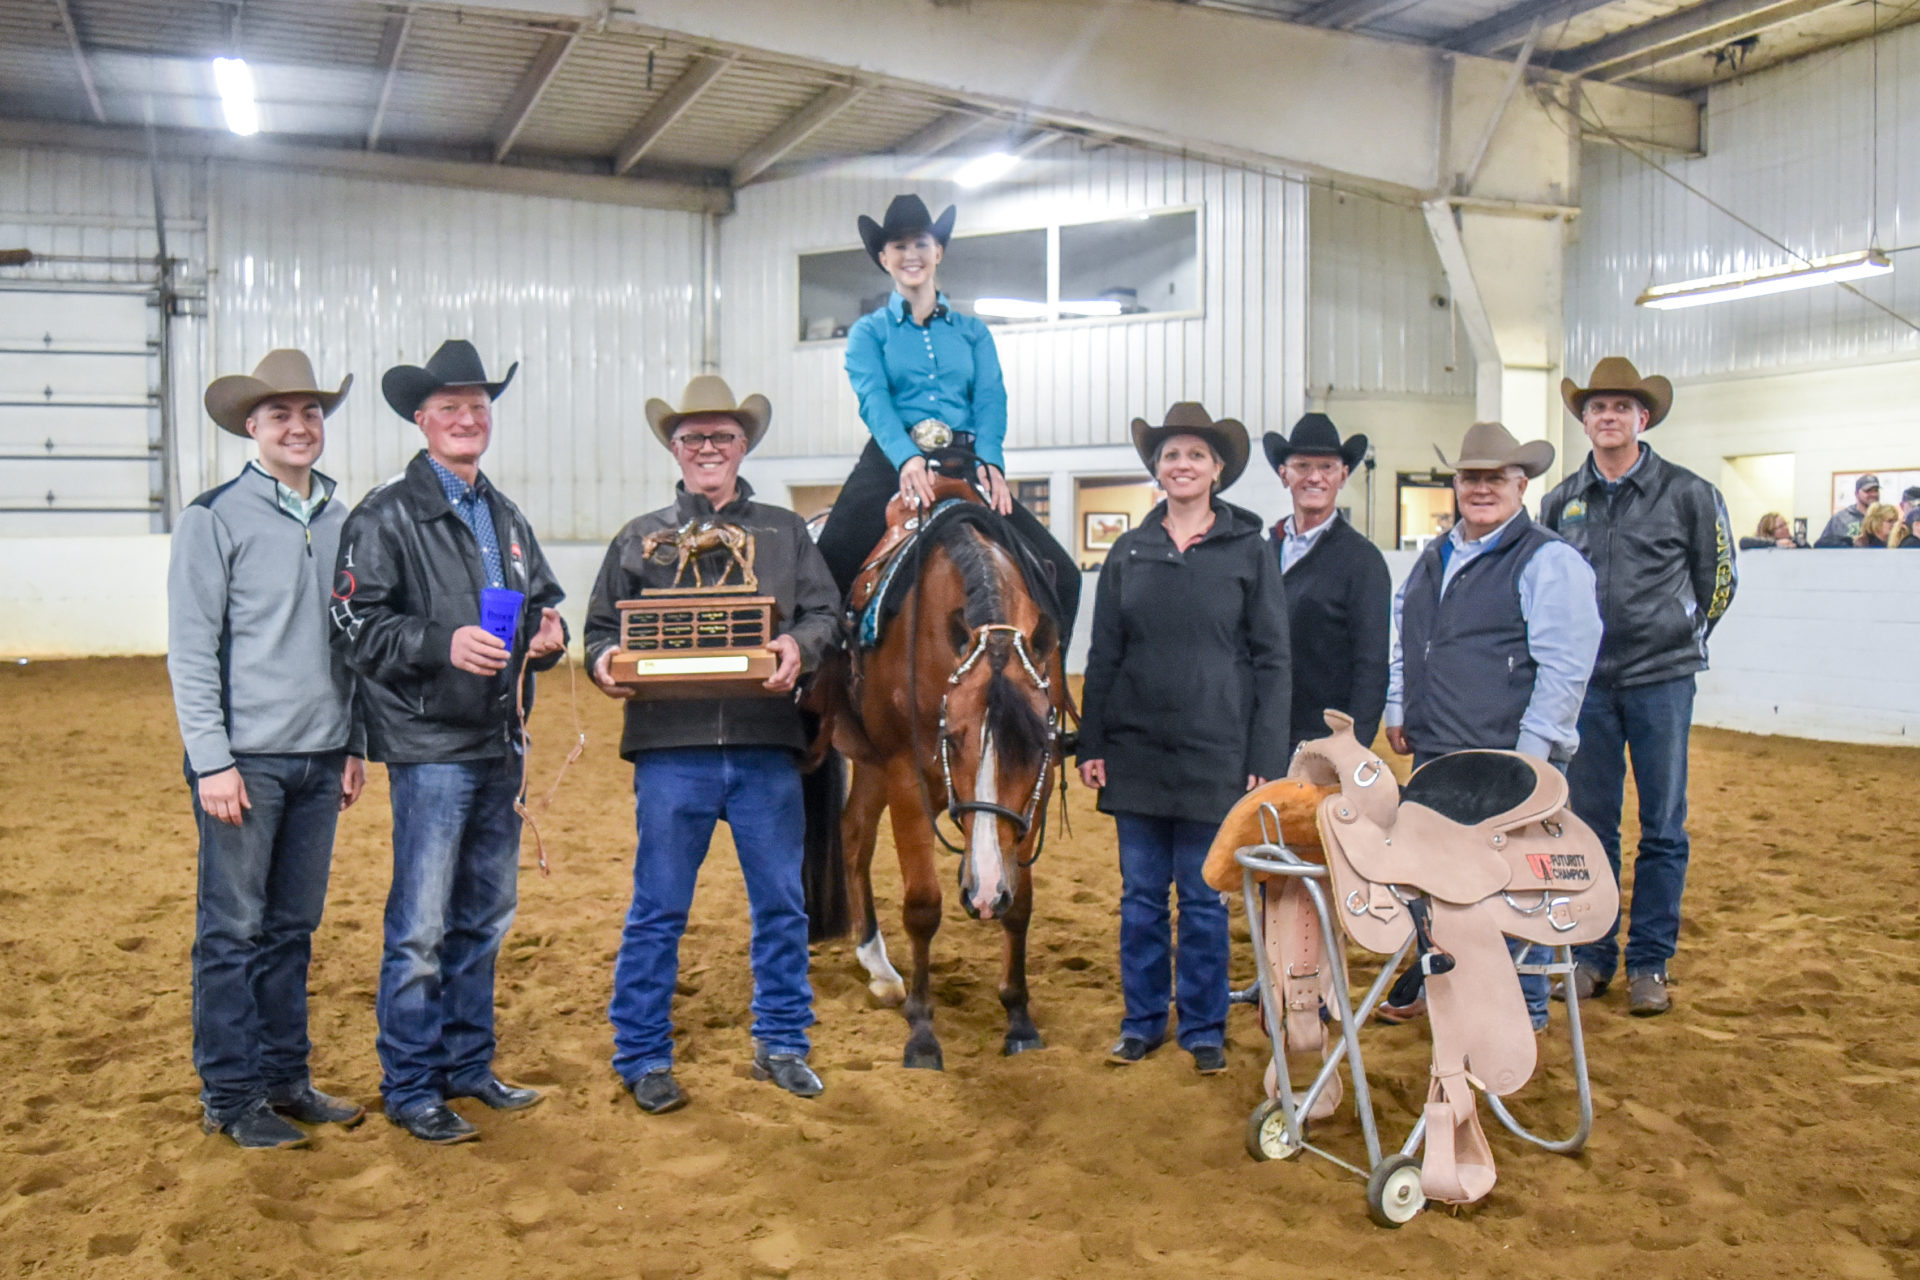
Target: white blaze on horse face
[(983, 849)]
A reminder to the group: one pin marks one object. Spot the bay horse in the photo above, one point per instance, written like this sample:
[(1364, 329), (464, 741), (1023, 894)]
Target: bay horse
[(957, 710)]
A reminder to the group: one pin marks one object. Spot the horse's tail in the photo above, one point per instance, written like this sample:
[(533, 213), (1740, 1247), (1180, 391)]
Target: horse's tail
[(823, 867)]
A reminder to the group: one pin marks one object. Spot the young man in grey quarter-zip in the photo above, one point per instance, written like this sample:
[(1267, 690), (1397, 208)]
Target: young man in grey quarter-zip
[(273, 751)]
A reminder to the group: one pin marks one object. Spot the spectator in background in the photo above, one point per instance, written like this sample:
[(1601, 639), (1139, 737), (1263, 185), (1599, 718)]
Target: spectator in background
[(1845, 525), (1909, 518), (1877, 526), (1773, 531)]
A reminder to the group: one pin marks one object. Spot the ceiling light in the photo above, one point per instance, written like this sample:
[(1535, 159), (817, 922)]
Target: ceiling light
[(1755, 284), (1012, 309), (1091, 307), (234, 79), (981, 170)]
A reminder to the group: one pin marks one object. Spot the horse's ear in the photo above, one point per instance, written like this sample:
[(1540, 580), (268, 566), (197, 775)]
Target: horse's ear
[(958, 633), (1046, 637)]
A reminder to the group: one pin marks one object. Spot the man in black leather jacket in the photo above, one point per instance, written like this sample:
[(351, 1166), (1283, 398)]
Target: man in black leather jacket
[(1661, 547), (437, 692)]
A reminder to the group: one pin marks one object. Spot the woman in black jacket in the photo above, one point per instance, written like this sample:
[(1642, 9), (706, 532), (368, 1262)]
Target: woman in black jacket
[(1185, 708)]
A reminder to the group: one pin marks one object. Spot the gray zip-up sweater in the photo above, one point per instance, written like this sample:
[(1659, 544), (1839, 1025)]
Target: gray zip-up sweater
[(248, 588)]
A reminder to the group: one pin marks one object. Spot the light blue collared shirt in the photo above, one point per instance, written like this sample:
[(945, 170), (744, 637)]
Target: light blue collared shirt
[(948, 369), (1294, 546), (1563, 637)]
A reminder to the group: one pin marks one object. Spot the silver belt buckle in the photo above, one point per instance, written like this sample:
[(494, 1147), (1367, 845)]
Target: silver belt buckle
[(931, 433)]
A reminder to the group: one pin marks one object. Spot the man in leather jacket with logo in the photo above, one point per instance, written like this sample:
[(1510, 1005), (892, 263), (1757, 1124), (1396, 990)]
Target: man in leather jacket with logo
[(438, 695), (1661, 547)]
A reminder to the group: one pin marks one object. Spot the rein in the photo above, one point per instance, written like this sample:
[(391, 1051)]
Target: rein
[(520, 805)]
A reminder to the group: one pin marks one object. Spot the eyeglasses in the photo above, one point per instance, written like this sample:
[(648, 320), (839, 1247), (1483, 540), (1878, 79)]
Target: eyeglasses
[(695, 441)]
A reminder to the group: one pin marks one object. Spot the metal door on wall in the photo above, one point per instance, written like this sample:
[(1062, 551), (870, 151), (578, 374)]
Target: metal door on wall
[(81, 435)]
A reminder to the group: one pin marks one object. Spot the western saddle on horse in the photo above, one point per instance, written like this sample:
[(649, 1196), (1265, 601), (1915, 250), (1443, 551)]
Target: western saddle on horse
[(1479, 845)]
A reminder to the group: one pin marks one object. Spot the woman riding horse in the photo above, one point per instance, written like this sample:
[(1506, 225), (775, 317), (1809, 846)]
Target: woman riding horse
[(928, 378)]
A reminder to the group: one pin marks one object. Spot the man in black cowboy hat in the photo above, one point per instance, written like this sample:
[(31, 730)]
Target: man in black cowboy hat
[(438, 692), (1661, 547), (1339, 593), (700, 760), (273, 749)]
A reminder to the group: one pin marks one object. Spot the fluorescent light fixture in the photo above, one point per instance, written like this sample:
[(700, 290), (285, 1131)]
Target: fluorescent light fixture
[(981, 170), (1754, 284), (234, 79), (1090, 307), (1012, 309)]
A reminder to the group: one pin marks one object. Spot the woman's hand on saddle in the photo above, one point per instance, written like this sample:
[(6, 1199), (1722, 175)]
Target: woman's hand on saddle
[(224, 796), (788, 671), (602, 674), (1093, 774), (916, 484), (1397, 739), (550, 638), (993, 486)]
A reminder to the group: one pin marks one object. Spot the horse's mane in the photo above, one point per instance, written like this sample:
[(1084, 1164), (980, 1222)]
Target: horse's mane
[(1022, 733)]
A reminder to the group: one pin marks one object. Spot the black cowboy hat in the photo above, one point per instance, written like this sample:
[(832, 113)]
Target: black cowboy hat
[(455, 364), (906, 216), (1314, 436), (1187, 418)]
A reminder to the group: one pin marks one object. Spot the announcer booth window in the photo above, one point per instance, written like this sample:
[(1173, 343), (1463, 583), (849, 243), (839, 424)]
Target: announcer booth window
[(1007, 268), (1142, 264)]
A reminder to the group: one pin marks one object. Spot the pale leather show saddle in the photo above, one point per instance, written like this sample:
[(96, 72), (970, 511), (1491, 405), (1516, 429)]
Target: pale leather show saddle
[(1479, 844)]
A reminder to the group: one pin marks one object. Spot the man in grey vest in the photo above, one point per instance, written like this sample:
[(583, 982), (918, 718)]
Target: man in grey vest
[(1497, 631)]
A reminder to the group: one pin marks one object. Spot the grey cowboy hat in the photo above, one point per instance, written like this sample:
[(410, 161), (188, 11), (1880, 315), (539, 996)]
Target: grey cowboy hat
[(1489, 446), (455, 364), (284, 372)]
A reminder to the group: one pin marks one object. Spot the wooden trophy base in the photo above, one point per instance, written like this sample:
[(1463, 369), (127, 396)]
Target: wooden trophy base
[(709, 645)]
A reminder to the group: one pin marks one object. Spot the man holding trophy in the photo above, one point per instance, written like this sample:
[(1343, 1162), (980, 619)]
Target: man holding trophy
[(704, 615)]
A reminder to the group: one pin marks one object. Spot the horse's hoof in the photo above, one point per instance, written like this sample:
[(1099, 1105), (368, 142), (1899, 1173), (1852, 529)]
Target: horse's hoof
[(891, 994), (1022, 1044), (923, 1060)]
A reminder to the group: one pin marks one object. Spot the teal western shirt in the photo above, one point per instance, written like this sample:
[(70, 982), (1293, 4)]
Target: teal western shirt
[(946, 369)]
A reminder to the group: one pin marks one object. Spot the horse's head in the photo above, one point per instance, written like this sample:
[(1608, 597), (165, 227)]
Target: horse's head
[(997, 749)]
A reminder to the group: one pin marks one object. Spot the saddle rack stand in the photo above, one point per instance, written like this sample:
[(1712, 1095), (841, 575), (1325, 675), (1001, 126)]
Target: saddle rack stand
[(1277, 1128)]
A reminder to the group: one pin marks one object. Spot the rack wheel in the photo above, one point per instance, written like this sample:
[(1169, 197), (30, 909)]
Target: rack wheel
[(1394, 1196), (1267, 1133)]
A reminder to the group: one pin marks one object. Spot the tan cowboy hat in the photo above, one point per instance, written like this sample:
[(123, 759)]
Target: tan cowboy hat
[(285, 372), (1617, 374), (709, 393), (1488, 446), (1187, 418)]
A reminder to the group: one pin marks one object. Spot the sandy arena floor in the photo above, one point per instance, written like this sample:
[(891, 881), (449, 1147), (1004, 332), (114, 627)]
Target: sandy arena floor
[(1767, 1128)]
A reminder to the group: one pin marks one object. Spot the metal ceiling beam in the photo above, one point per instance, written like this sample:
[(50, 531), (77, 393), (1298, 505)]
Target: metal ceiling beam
[(1344, 15), (197, 144), (669, 107), (393, 41), (939, 135), (540, 72), (806, 122), (80, 62), (1679, 35), (1510, 26)]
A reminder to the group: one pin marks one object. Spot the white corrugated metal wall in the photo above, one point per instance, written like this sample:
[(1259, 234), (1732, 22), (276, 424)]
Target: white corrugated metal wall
[(1792, 150), (1070, 384), (599, 303)]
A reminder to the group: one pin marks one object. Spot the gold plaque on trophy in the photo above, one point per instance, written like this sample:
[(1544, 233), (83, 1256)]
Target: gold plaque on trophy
[(695, 639)]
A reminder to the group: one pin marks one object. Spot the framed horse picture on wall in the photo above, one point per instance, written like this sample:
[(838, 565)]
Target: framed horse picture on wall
[(1103, 529)]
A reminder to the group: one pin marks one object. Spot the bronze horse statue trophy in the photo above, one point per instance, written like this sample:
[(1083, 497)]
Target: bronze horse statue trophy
[(694, 539), (956, 709)]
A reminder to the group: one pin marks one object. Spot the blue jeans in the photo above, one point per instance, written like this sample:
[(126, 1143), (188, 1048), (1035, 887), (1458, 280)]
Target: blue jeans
[(262, 886), (678, 796), (1650, 722), (1155, 855), (456, 856)]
